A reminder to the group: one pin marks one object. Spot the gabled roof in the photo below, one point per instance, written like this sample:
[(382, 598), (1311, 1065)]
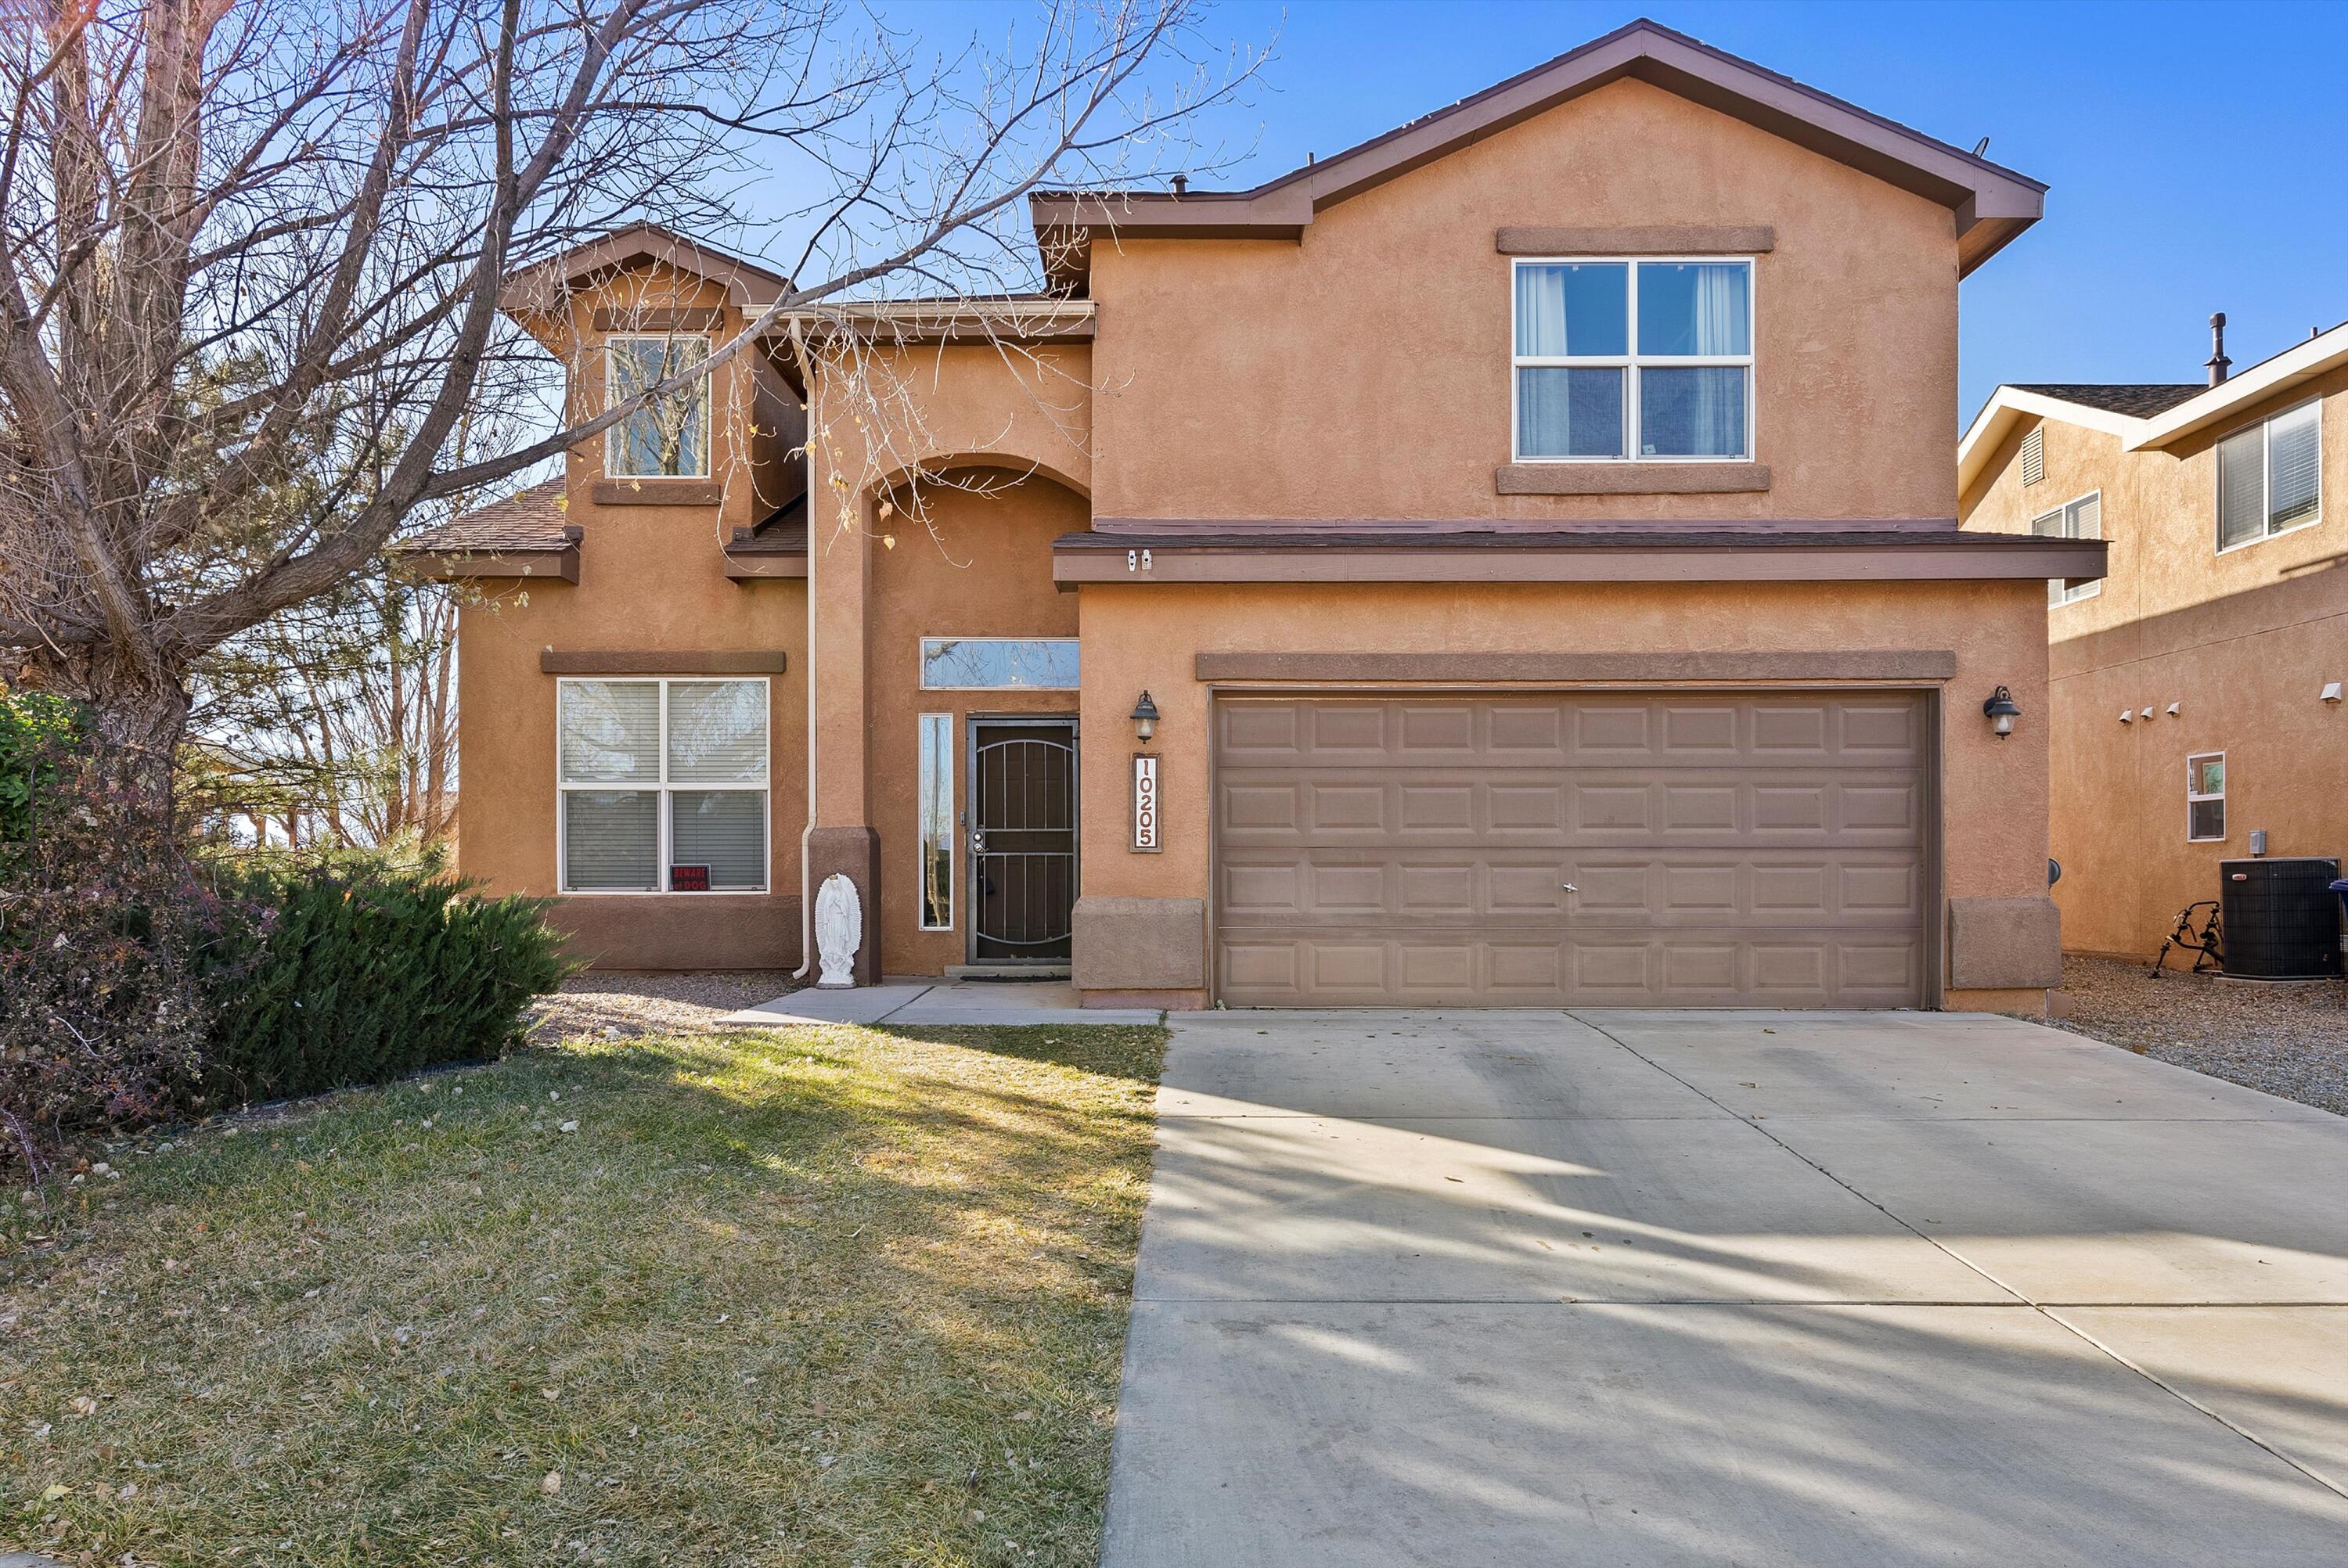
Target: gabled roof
[(2144, 416), (748, 285), (1991, 203), (2136, 399)]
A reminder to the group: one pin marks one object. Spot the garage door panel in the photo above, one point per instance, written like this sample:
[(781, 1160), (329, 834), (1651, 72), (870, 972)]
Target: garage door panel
[(1728, 849)]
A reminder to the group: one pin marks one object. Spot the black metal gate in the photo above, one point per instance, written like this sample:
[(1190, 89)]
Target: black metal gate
[(1023, 840)]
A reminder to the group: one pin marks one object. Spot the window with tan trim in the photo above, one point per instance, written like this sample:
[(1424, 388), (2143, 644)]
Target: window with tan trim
[(668, 438), (661, 785), (1645, 360)]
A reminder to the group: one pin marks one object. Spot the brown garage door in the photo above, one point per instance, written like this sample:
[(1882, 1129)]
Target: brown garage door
[(1725, 849)]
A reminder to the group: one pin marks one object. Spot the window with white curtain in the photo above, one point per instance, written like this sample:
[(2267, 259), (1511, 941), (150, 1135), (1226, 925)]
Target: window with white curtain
[(2081, 519), (663, 785), (1632, 360), (2270, 477), (668, 438)]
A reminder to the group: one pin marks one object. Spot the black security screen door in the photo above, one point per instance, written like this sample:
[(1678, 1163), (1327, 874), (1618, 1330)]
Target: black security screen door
[(1023, 840)]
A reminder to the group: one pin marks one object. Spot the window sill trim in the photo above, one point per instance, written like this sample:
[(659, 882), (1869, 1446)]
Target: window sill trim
[(662, 492), (1631, 477), (2314, 522)]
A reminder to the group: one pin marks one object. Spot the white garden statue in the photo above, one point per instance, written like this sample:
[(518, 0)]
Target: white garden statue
[(838, 930)]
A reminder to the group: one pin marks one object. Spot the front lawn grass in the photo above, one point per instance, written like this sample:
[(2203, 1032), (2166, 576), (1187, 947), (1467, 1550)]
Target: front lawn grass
[(835, 1297)]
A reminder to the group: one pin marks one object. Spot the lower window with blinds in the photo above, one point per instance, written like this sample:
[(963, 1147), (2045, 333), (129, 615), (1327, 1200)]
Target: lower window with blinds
[(663, 785)]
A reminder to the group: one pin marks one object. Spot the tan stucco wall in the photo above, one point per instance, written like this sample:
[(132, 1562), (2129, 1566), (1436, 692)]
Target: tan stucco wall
[(982, 568), (2243, 642), (1364, 373), (1022, 409), (652, 579), (1993, 793)]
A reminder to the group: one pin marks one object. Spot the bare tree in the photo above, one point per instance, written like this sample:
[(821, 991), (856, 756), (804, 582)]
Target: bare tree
[(339, 713), (251, 258)]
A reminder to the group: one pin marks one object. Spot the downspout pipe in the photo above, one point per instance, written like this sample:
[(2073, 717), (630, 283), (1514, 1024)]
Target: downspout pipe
[(807, 832)]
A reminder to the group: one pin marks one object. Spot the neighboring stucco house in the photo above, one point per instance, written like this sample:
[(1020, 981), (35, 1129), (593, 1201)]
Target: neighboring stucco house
[(1533, 530), (2197, 689)]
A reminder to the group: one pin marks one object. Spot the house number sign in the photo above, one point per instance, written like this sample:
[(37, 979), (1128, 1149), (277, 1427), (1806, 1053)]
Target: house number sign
[(1145, 804)]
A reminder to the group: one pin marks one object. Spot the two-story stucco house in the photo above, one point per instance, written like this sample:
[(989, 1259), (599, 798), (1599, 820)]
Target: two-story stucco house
[(1528, 541), (2197, 689)]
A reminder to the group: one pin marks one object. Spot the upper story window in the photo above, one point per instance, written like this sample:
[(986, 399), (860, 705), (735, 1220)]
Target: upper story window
[(2205, 797), (668, 438), (2270, 477), (2081, 519), (1637, 360)]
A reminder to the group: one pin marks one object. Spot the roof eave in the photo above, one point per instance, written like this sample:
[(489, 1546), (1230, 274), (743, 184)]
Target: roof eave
[(2293, 368), (2008, 406), (1993, 204)]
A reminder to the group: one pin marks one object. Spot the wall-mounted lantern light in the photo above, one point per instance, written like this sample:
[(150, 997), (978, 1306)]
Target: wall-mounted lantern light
[(2001, 710), (1145, 719)]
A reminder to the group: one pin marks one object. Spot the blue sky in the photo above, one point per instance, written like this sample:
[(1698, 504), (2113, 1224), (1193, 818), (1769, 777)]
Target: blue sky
[(2198, 154)]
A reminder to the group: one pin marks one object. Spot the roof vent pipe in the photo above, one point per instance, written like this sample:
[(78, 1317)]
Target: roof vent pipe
[(1182, 183), (2218, 362)]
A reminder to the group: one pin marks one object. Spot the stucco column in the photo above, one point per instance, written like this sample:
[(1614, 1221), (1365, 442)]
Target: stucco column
[(844, 840)]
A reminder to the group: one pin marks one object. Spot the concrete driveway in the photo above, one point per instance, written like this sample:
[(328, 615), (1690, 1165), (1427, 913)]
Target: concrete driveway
[(1648, 1288)]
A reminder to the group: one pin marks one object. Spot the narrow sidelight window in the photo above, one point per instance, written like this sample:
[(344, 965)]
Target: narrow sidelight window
[(661, 785), (936, 809), (2205, 796), (668, 438), (2270, 477), (2081, 519), (1646, 360)]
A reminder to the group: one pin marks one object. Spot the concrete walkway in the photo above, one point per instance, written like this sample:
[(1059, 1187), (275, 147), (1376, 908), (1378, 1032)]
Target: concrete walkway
[(1635, 1288), (935, 1002)]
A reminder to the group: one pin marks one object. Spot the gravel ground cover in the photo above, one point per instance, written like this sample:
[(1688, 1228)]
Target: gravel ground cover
[(636, 1006), (2286, 1039)]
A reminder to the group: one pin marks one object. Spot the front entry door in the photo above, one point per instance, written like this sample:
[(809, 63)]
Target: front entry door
[(1023, 840)]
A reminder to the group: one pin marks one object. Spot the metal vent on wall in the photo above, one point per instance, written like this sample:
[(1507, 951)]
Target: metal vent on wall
[(2034, 456)]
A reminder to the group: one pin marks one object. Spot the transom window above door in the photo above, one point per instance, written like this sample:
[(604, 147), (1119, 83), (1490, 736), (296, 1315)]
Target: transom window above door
[(1632, 360), (999, 664)]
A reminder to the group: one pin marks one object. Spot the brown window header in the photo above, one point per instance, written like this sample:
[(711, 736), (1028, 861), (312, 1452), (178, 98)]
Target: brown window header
[(660, 661), (1658, 239)]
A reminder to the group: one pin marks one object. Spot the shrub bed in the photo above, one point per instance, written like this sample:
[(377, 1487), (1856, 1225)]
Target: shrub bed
[(137, 983), (363, 975)]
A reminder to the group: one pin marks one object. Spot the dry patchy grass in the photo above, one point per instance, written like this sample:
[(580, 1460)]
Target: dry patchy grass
[(830, 1296)]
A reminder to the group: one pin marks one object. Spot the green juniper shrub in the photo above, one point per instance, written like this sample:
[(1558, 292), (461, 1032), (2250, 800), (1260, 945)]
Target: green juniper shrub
[(369, 972)]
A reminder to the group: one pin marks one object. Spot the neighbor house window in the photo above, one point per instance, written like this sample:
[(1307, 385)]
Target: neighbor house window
[(2082, 519), (936, 810), (663, 785), (1633, 359), (669, 438), (2270, 477), (2205, 796), (998, 664)]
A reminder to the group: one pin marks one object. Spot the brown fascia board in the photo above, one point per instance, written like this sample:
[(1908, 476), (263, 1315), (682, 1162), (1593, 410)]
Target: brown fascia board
[(539, 289), (1991, 203), (1902, 665), (445, 566), (1645, 556)]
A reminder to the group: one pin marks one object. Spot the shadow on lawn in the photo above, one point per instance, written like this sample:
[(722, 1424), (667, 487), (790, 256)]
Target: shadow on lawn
[(823, 1296)]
